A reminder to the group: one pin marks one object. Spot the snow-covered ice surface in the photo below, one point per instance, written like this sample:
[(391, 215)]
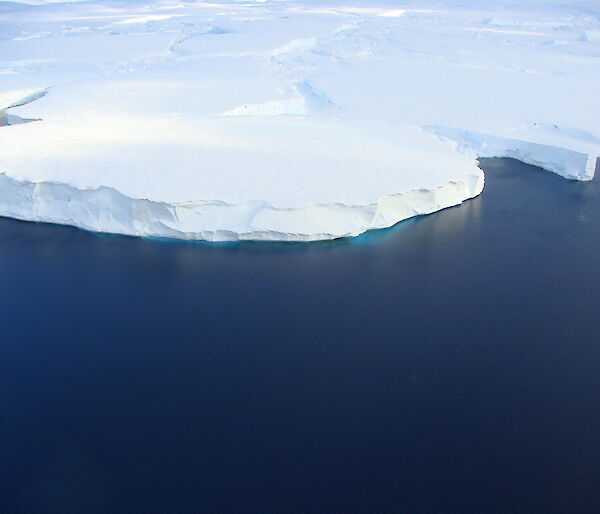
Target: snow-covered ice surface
[(16, 98), (285, 120)]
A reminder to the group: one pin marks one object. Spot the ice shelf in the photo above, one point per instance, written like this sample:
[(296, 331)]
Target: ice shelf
[(228, 179)]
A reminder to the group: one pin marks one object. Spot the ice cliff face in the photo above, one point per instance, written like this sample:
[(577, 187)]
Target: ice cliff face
[(285, 120), (566, 157), (107, 210)]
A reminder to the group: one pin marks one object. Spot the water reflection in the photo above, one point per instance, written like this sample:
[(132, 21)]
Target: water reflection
[(455, 353)]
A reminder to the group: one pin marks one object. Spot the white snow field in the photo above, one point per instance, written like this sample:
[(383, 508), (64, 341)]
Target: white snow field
[(285, 120)]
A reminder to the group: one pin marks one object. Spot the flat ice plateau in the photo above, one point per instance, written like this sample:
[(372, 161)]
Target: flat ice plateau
[(285, 120)]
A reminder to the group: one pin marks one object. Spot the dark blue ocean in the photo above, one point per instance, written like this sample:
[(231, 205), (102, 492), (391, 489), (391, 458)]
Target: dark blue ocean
[(450, 364)]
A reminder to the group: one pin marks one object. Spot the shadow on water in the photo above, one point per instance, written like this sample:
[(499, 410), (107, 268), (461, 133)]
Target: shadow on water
[(449, 364)]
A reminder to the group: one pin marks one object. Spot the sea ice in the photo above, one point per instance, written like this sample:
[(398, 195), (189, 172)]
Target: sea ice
[(297, 120)]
